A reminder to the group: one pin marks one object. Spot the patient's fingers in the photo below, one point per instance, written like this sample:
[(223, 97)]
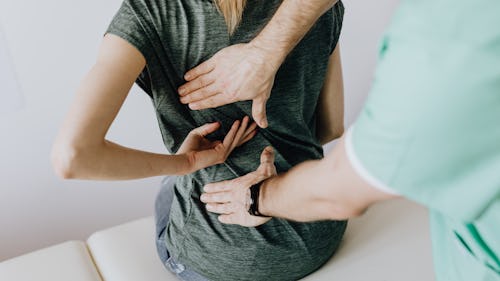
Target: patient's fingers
[(241, 132), (217, 187), (249, 131), (251, 128), (206, 129), (218, 197), (229, 138), (248, 137)]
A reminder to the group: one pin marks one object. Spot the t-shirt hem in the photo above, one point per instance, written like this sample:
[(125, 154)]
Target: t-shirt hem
[(132, 41)]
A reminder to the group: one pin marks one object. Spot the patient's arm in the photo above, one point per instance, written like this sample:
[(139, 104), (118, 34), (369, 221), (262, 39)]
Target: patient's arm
[(81, 149), (330, 110)]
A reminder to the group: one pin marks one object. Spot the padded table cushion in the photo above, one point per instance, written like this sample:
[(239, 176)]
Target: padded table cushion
[(128, 253), (391, 242), (62, 262)]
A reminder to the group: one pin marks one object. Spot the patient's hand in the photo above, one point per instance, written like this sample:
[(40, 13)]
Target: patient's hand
[(231, 198), (236, 73), (202, 153)]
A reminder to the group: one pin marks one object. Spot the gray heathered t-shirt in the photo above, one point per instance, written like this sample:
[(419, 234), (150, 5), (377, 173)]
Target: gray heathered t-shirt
[(175, 36)]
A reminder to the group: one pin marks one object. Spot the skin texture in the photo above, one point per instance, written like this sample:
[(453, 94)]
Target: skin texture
[(232, 198), (247, 71), (82, 151), (335, 191), (327, 197)]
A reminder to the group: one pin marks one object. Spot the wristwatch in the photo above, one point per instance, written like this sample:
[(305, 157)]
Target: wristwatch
[(253, 209)]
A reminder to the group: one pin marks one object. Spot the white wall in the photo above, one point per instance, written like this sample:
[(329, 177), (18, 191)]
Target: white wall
[(52, 44)]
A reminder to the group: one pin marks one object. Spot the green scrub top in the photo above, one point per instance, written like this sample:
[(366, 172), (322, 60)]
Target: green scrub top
[(430, 130)]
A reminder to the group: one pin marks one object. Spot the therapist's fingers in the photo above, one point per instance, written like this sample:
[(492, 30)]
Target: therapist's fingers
[(259, 112), (243, 219), (267, 167), (198, 94), (217, 187), (227, 208), (201, 69), (218, 197), (213, 101), (227, 219)]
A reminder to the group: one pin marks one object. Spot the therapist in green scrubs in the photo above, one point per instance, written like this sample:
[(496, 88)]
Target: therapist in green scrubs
[(429, 131)]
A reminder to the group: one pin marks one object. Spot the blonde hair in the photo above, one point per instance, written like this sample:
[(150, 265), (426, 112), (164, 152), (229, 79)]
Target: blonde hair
[(232, 10)]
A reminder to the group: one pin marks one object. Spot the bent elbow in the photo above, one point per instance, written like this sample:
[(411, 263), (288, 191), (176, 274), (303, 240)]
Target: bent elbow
[(64, 160), (331, 135), (338, 133), (343, 211)]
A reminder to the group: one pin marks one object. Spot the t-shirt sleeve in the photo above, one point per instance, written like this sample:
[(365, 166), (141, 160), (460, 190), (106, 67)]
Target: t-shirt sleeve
[(429, 129), (131, 24), (338, 19)]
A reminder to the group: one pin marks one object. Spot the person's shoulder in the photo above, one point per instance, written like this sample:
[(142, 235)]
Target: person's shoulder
[(156, 10), (143, 4)]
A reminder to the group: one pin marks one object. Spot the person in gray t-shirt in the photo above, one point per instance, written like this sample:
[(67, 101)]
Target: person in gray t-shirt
[(167, 38)]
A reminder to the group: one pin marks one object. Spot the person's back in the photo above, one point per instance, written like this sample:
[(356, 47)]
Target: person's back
[(175, 36)]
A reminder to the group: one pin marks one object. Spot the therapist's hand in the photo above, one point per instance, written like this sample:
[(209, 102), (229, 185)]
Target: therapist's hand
[(231, 198), (237, 73)]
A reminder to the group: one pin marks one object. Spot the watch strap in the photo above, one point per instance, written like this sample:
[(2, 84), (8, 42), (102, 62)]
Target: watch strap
[(254, 196)]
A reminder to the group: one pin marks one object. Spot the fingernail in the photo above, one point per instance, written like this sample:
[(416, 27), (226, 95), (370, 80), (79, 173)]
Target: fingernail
[(187, 76), (182, 91), (202, 198)]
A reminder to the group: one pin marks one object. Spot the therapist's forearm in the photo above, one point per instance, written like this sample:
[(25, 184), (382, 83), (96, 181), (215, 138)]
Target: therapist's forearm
[(327, 189), (290, 194), (288, 26)]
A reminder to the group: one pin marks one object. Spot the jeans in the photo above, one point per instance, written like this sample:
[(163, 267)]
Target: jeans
[(162, 215)]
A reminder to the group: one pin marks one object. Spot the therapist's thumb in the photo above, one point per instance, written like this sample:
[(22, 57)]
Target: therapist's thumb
[(259, 112), (267, 167)]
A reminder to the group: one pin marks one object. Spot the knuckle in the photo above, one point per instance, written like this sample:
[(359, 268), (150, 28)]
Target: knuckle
[(225, 85), (203, 81), (203, 92), (231, 94)]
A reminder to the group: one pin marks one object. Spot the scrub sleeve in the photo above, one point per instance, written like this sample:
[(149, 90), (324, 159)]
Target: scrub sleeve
[(430, 130)]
